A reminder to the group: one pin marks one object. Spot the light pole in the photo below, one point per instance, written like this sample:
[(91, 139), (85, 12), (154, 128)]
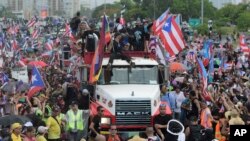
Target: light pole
[(202, 10)]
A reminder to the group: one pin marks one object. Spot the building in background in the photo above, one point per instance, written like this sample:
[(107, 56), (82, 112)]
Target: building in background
[(85, 4), (220, 3), (71, 7), (246, 1)]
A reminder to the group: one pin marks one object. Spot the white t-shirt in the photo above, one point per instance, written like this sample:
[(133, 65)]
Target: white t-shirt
[(179, 99)]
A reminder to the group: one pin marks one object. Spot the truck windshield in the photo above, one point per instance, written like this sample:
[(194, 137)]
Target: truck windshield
[(138, 75)]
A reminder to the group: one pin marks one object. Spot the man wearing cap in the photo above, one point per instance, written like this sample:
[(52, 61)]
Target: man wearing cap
[(41, 131), (54, 125), (77, 122), (16, 132)]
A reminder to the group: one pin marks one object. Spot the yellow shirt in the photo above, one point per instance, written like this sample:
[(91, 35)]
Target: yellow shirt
[(16, 138), (54, 131), (40, 138)]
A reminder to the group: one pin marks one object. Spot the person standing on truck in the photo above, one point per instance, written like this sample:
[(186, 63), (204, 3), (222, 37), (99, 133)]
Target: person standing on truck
[(95, 125), (117, 51), (75, 22), (161, 121)]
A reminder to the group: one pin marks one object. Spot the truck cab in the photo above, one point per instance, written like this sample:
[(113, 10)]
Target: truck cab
[(129, 95)]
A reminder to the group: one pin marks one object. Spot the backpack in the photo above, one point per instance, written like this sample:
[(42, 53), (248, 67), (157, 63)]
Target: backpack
[(197, 133)]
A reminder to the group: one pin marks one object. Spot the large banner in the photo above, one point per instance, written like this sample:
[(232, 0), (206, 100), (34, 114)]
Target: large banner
[(20, 74)]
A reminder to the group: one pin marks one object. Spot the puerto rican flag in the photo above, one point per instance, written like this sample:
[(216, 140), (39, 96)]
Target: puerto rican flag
[(159, 23), (49, 45), (203, 77), (32, 22), (155, 48), (36, 82), (172, 37), (14, 44), (35, 34), (243, 45), (191, 57), (69, 33)]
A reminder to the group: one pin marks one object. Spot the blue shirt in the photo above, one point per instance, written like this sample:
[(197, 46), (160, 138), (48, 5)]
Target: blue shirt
[(170, 98)]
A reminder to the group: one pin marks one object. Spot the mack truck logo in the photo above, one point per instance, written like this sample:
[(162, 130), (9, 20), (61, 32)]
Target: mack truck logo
[(133, 113)]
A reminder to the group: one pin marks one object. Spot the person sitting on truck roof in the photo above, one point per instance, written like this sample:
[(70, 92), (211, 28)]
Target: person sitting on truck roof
[(117, 51)]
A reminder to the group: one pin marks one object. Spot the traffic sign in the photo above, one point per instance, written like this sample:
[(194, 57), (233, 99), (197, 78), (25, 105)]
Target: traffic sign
[(194, 22)]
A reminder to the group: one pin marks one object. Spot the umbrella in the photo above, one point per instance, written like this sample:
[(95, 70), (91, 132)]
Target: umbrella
[(37, 64), (8, 120), (176, 66)]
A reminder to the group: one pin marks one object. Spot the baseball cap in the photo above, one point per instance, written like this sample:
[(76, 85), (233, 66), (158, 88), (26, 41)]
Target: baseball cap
[(28, 124), (42, 129), (85, 91)]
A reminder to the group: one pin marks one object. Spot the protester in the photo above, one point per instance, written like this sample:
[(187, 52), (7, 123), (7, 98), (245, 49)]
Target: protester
[(41, 131), (113, 136), (16, 129), (77, 122), (95, 125), (161, 121)]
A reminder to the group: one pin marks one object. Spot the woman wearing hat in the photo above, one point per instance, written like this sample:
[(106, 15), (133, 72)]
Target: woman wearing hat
[(16, 129)]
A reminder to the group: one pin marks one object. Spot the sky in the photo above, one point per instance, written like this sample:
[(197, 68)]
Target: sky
[(99, 2)]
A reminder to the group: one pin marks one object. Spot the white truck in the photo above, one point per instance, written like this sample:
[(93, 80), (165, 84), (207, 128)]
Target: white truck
[(130, 98)]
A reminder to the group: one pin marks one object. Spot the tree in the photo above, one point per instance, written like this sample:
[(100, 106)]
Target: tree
[(231, 12), (243, 21), (110, 10)]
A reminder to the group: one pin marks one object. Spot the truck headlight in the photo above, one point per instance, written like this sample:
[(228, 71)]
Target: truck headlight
[(105, 120)]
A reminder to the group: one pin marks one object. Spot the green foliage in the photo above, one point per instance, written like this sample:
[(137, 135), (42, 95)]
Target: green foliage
[(225, 30), (230, 13), (135, 13), (110, 10), (202, 29), (243, 21)]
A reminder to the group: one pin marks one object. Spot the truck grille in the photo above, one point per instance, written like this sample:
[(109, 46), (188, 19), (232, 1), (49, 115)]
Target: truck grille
[(133, 112)]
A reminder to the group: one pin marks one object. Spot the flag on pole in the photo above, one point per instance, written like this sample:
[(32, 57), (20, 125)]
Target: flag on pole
[(36, 82), (243, 45), (32, 21), (158, 24), (96, 66), (203, 77), (172, 37)]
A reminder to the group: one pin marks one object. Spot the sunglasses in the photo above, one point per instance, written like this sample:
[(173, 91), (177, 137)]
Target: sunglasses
[(113, 129)]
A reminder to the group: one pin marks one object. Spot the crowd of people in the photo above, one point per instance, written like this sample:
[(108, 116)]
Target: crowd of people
[(60, 111)]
